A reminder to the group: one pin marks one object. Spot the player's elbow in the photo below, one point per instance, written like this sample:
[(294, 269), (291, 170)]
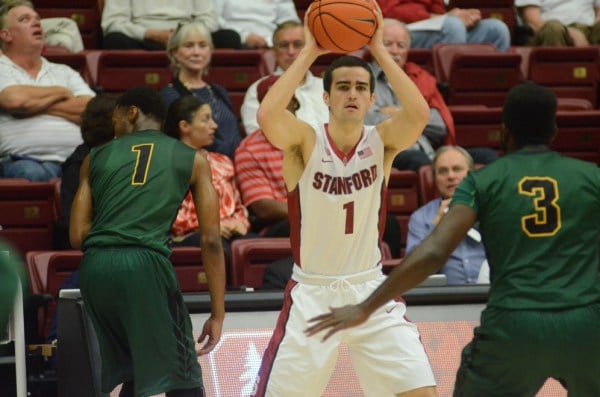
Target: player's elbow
[(77, 233), (421, 115), (262, 116), (76, 239), (212, 243)]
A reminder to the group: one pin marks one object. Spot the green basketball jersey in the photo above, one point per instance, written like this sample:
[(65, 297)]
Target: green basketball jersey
[(138, 182), (539, 215)]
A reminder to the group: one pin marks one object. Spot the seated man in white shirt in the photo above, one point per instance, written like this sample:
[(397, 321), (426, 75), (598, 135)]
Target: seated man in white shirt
[(288, 40), (40, 101), (450, 165)]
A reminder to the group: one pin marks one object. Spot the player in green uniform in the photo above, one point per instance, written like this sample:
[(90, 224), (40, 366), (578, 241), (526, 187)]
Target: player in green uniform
[(11, 273), (539, 218), (129, 193)]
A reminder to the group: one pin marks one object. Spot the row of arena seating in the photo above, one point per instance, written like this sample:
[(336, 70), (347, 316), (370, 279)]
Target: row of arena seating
[(469, 74), (477, 78), (87, 14)]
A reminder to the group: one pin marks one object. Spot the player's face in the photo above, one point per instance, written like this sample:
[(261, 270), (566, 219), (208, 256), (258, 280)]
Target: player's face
[(397, 42), (288, 43), (23, 28), (194, 53), (450, 168), (200, 132), (350, 96)]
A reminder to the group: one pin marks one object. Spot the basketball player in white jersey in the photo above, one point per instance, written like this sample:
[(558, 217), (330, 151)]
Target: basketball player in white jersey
[(336, 175)]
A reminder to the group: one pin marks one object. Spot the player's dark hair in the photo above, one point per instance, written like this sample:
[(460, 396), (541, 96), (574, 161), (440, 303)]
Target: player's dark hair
[(529, 114), (96, 120), (347, 61), (183, 108), (147, 99)]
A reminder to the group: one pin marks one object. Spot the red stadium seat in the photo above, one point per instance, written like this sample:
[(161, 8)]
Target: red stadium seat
[(120, 70), (187, 262), (77, 61), (444, 53), (236, 70), (570, 72), (86, 13), (28, 211), (249, 258), (477, 126), (47, 272), (402, 198), (578, 134), (475, 73), (427, 190)]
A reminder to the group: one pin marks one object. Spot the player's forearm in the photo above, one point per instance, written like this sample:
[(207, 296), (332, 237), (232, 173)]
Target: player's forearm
[(280, 94), (416, 267), (426, 259), (214, 265)]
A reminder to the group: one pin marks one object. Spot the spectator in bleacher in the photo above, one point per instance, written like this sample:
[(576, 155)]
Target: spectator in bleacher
[(460, 25), (190, 49), (440, 127), (288, 40), (561, 23), (148, 24), (189, 120), (258, 168), (40, 101), (450, 165), (96, 129), (256, 20)]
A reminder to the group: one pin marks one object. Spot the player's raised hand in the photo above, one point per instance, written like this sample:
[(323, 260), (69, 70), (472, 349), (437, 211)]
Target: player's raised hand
[(309, 40), (336, 320), (377, 38), (211, 332)]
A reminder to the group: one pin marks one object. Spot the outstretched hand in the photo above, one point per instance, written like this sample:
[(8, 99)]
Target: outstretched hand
[(212, 333), (336, 320), (377, 39), (309, 39)]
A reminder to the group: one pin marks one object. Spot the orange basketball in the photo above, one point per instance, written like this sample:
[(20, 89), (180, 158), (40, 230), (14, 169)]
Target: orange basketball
[(342, 26)]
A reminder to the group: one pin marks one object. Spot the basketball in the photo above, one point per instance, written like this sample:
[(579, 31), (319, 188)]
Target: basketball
[(342, 26)]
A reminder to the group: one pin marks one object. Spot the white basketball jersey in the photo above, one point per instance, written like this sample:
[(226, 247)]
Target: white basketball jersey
[(337, 211)]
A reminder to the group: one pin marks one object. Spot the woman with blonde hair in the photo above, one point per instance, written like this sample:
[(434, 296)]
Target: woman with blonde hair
[(190, 49)]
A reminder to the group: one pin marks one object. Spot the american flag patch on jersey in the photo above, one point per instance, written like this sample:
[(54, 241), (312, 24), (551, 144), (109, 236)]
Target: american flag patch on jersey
[(364, 153)]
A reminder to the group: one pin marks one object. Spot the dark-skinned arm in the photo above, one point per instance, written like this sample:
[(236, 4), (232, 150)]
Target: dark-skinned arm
[(207, 211), (81, 209), (427, 258)]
